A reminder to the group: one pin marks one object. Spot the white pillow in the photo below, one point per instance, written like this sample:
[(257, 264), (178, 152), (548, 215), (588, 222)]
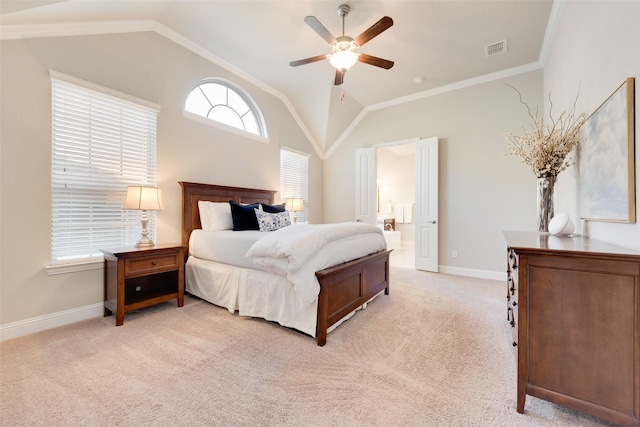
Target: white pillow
[(205, 216), (215, 216), (220, 216)]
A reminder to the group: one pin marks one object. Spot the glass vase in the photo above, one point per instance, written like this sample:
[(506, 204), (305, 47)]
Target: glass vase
[(546, 186)]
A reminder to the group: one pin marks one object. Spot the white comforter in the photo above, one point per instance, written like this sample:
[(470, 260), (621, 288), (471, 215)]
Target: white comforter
[(298, 251)]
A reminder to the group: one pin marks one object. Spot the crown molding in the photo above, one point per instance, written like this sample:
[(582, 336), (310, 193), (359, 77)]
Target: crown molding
[(17, 32), (532, 66), (550, 31), (429, 93), (13, 32)]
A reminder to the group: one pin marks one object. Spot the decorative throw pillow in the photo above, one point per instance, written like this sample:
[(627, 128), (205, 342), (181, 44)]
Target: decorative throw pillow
[(272, 208), (272, 221), (244, 216)]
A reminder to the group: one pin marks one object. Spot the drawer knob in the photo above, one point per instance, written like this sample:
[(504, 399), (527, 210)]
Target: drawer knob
[(138, 288), (153, 263)]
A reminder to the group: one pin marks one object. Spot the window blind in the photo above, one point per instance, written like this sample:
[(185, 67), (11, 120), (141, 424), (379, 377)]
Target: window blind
[(294, 179), (100, 144)]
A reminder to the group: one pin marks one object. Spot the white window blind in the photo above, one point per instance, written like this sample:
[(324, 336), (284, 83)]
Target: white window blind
[(101, 143), (294, 179)]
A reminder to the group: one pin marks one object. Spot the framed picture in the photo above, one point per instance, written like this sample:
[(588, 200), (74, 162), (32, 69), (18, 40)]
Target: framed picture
[(606, 159)]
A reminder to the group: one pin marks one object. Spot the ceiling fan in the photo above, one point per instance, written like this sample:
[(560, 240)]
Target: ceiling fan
[(344, 48)]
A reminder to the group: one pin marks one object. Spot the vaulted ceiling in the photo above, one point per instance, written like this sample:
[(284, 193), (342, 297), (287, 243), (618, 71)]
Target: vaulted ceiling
[(435, 44)]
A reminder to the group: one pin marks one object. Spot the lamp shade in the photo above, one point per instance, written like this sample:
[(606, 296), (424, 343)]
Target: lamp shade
[(295, 204), (143, 198)]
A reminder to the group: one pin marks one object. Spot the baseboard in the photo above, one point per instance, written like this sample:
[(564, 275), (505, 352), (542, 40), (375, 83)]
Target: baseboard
[(470, 272), (61, 318), (50, 321)]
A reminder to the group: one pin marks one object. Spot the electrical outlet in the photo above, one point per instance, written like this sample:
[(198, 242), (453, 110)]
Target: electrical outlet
[(454, 254)]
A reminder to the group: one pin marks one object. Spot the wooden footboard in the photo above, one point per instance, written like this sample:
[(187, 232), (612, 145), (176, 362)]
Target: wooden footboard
[(347, 286)]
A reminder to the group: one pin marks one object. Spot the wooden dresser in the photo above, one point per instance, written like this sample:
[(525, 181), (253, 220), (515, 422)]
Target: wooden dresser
[(574, 307)]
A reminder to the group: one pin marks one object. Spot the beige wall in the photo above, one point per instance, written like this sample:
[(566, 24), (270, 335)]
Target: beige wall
[(595, 63), (481, 191), (145, 65)]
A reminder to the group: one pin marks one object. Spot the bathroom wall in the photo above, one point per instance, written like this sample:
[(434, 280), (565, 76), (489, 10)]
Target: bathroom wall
[(396, 184)]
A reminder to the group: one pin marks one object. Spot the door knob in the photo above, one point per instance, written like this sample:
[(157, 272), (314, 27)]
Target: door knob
[(432, 222)]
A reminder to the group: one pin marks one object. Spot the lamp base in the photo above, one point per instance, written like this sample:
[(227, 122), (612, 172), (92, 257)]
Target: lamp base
[(145, 243)]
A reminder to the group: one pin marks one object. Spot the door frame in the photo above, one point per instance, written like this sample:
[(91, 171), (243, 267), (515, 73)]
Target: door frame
[(368, 183)]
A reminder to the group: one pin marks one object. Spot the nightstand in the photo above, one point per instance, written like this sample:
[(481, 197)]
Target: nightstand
[(135, 278)]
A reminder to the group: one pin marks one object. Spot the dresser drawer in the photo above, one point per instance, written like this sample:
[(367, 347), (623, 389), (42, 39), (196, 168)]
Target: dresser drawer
[(145, 265)]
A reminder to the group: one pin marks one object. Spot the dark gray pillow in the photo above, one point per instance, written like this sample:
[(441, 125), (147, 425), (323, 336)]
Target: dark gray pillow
[(273, 208)]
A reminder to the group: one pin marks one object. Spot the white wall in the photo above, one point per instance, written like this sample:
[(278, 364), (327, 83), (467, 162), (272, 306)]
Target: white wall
[(596, 47), (145, 65), (481, 191)]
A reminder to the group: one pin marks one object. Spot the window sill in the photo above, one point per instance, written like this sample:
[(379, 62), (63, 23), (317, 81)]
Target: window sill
[(95, 264), (222, 126)]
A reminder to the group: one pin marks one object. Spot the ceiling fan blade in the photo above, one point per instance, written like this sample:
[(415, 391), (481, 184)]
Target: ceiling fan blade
[(339, 78), (374, 60), (308, 60), (374, 30), (313, 22)]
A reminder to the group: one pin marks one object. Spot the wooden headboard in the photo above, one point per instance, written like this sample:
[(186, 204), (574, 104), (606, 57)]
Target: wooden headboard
[(193, 192)]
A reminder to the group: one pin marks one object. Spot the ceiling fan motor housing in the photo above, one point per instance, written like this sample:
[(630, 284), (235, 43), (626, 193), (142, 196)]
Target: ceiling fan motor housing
[(343, 10)]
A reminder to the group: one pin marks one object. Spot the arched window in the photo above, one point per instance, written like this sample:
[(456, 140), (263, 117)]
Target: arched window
[(224, 102)]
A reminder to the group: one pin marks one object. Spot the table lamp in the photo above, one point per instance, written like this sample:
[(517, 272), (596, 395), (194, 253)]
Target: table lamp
[(144, 199), (295, 205)]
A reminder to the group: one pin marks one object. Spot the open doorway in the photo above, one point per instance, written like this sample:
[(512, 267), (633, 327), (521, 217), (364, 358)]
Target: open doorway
[(396, 192), (424, 214)]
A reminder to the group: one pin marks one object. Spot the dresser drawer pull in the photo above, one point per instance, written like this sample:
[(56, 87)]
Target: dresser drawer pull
[(154, 263)]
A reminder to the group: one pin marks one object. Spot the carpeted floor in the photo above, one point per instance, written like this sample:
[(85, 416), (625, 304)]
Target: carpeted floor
[(435, 352)]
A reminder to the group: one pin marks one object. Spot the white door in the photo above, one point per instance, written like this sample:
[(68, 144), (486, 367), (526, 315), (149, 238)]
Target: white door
[(426, 210), (366, 203)]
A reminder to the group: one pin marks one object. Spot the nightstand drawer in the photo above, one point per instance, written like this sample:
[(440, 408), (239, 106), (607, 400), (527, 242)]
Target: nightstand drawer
[(150, 264)]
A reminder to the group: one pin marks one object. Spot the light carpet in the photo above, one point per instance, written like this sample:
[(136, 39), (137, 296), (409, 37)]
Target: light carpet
[(435, 352)]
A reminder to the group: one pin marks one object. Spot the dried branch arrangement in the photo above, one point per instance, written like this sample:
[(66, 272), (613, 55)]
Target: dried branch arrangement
[(546, 145)]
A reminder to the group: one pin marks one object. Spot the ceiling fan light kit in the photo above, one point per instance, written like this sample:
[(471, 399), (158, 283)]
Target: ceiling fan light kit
[(344, 55), (344, 48)]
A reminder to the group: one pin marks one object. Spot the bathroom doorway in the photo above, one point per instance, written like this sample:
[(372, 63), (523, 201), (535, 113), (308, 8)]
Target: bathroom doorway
[(376, 208), (396, 193)]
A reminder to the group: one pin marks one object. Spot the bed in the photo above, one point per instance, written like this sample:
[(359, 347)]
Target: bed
[(344, 288)]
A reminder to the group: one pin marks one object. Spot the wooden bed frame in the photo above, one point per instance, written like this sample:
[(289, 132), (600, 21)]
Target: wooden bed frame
[(343, 288)]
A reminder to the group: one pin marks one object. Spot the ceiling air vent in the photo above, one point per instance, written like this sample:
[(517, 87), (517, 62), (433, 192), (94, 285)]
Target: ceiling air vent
[(496, 48)]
